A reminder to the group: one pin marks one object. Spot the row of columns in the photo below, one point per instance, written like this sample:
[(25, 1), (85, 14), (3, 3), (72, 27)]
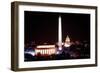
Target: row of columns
[(45, 51)]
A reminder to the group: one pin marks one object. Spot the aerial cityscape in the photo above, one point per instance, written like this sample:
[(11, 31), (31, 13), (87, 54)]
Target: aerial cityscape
[(48, 36), (69, 50)]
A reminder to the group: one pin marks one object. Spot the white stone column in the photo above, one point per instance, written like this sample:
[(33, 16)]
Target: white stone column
[(60, 34)]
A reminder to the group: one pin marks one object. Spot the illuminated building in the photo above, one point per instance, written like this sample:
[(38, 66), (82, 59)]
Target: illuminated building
[(45, 50), (67, 42)]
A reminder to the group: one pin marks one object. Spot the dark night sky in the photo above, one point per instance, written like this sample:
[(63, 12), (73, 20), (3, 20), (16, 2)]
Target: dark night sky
[(77, 26), (42, 27)]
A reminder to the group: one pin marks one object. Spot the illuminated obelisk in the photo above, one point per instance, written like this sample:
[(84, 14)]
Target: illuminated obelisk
[(60, 34)]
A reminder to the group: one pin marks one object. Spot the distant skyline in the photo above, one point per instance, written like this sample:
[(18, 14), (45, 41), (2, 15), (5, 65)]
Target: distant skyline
[(42, 27)]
